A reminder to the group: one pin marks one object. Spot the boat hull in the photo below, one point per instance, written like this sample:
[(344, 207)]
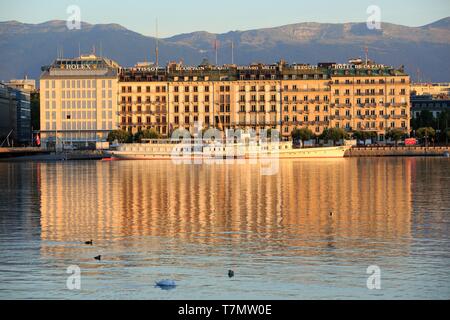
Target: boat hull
[(227, 154)]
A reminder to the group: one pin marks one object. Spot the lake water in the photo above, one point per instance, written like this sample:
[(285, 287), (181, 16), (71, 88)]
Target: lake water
[(192, 223)]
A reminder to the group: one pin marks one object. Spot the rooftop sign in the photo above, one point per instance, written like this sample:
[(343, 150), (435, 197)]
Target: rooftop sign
[(143, 69), (305, 67), (362, 66), (84, 66)]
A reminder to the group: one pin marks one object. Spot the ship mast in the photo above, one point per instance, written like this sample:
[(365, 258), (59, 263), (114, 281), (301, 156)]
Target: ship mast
[(216, 48), (157, 46), (232, 52), (366, 49)]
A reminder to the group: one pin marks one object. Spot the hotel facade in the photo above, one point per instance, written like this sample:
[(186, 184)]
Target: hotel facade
[(78, 100), (83, 99)]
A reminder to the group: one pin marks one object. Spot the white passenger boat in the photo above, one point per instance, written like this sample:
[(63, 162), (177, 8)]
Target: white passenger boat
[(167, 150)]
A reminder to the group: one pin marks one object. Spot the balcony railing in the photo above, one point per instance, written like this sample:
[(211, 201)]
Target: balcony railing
[(143, 124), (307, 90)]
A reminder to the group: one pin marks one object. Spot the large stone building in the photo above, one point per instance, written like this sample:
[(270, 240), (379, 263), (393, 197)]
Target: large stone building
[(280, 96), (432, 97), (284, 97), (27, 85), (432, 89), (429, 103), (372, 98), (78, 100)]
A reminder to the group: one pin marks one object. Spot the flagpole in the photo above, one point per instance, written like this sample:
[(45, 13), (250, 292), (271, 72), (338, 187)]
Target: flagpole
[(232, 52), (216, 48)]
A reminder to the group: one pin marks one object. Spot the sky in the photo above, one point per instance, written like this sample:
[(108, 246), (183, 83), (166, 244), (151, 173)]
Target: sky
[(183, 16)]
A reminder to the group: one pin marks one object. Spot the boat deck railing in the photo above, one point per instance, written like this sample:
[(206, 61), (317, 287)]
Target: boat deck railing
[(195, 141)]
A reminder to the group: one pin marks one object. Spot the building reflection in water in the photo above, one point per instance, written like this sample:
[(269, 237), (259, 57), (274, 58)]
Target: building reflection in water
[(19, 199), (229, 204)]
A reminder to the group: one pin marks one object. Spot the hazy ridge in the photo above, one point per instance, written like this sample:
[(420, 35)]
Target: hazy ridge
[(25, 48)]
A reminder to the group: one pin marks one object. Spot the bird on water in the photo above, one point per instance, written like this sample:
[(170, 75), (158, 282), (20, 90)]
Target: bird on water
[(230, 273), (98, 258), (90, 243), (167, 283)]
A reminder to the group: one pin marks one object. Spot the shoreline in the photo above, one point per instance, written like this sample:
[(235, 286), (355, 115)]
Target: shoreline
[(36, 155)]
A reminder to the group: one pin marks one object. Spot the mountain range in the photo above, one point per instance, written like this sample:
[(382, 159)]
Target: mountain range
[(424, 51)]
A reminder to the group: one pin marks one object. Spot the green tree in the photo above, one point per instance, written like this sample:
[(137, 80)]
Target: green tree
[(334, 134), (364, 135), (275, 132), (121, 136), (137, 137), (426, 133), (360, 135), (150, 134), (146, 134), (324, 134), (35, 110), (443, 125), (396, 135), (302, 134), (425, 119)]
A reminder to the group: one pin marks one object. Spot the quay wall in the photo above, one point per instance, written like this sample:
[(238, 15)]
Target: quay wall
[(397, 151), (6, 153), (37, 154)]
